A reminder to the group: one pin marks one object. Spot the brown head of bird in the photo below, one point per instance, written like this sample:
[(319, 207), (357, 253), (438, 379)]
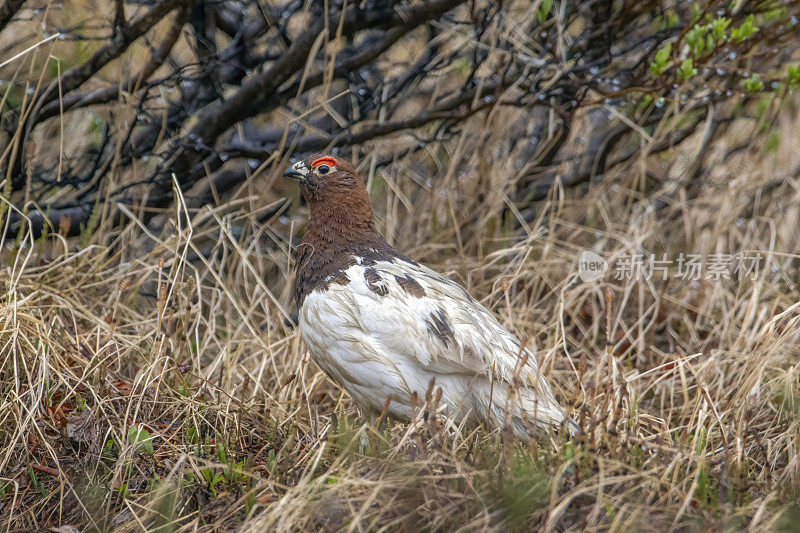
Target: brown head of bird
[(325, 179), (341, 224)]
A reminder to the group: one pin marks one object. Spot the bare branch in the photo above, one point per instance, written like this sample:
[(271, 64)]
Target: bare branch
[(254, 97), (107, 94), (8, 9), (78, 75)]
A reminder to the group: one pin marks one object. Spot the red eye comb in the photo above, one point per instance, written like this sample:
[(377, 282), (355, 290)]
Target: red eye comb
[(331, 162)]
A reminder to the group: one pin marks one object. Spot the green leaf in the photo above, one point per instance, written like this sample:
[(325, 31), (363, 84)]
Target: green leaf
[(233, 472), (696, 40), (544, 10), (686, 70), (661, 59), (753, 84), (655, 70), (710, 44), (696, 12), (141, 439), (778, 13), (212, 478), (672, 19), (703, 484), (662, 56), (718, 27), (744, 31), (793, 76)]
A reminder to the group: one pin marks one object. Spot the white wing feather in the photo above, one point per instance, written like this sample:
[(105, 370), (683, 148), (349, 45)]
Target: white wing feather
[(377, 345)]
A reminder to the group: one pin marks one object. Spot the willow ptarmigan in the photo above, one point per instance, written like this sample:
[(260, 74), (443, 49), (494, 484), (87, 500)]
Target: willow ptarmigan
[(380, 324)]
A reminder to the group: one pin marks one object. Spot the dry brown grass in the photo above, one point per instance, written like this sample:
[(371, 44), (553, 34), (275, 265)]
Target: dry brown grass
[(182, 334), (148, 379)]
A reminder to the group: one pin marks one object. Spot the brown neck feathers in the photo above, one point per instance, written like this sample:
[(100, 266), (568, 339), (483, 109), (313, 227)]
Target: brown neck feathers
[(340, 233), (340, 218)]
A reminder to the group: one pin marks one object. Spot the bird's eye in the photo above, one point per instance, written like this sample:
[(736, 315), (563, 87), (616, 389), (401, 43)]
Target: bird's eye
[(323, 169)]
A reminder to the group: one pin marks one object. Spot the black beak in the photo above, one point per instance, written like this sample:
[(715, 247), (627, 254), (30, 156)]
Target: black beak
[(297, 171)]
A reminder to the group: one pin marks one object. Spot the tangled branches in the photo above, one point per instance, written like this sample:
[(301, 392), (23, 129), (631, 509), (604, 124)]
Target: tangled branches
[(212, 92)]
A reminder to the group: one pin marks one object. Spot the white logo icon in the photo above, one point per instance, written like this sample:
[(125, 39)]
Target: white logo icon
[(591, 266)]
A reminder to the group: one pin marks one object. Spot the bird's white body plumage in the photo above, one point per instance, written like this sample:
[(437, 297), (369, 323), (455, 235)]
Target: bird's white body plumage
[(377, 338)]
